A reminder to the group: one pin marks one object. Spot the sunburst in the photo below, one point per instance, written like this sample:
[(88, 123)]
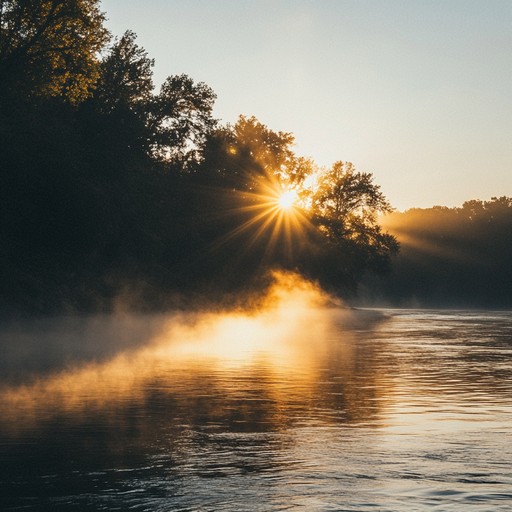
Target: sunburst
[(275, 213), (287, 199)]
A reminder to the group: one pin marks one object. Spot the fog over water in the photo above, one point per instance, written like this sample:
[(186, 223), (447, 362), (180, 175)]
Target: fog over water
[(301, 404)]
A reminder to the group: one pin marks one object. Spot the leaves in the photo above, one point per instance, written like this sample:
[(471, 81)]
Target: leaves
[(126, 76), (49, 48), (346, 203), (179, 118), (150, 180)]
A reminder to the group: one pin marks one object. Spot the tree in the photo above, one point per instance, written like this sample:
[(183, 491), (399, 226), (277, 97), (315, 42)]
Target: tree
[(249, 156), (179, 120), (451, 257), (332, 234), (346, 203), (50, 48), (122, 98), (126, 77), (268, 151), (344, 208), (169, 127)]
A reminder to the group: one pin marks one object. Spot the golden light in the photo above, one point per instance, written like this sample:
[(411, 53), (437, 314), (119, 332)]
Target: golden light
[(271, 344), (287, 200), (273, 212)]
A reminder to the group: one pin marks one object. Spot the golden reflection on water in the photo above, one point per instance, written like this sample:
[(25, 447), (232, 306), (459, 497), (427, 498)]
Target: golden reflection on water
[(298, 403), (294, 354)]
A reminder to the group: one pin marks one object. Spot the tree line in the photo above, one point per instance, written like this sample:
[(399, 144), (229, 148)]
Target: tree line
[(451, 257), (111, 187)]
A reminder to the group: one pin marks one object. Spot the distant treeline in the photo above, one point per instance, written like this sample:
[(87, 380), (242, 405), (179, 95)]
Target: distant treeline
[(111, 190), (451, 257)]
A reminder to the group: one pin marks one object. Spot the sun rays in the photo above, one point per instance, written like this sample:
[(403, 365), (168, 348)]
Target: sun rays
[(287, 200), (274, 217)]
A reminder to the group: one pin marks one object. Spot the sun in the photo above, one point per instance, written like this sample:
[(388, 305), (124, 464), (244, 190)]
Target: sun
[(287, 200)]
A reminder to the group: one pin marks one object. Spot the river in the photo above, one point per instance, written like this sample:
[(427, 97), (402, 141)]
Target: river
[(296, 408)]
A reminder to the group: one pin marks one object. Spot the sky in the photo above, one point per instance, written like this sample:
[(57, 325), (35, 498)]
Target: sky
[(417, 92)]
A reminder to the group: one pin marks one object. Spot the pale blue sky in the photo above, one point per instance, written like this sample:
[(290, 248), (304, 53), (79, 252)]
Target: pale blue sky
[(418, 92)]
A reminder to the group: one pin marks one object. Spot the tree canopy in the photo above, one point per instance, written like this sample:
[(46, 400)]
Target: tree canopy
[(125, 78), (108, 183), (452, 257), (336, 234), (50, 48), (169, 126)]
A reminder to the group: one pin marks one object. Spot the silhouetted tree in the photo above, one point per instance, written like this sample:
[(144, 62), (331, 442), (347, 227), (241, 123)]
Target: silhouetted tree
[(455, 257), (170, 126), (346, 204), (122, 98), (340, 238), (179, 120), (126, 76), (249, 156), (106, 183), (50, 48)]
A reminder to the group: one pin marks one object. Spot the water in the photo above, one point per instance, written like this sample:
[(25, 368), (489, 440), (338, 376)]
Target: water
[(298, 408)]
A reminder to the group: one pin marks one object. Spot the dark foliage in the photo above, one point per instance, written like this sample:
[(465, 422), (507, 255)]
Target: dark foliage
[(48, 48), (453, 257), (110, 191)]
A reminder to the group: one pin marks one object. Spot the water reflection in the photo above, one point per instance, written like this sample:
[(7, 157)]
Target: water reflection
[(297, 405), (245, 372)]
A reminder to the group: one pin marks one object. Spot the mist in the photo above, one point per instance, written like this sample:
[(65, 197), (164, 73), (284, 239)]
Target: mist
[(449, 258), (36, 348), (90, 363)]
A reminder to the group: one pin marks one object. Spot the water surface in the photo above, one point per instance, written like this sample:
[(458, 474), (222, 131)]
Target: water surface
[(295, 408)]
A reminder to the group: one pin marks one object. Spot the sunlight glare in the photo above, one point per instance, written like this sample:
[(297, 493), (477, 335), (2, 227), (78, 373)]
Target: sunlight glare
[(287, 200)]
